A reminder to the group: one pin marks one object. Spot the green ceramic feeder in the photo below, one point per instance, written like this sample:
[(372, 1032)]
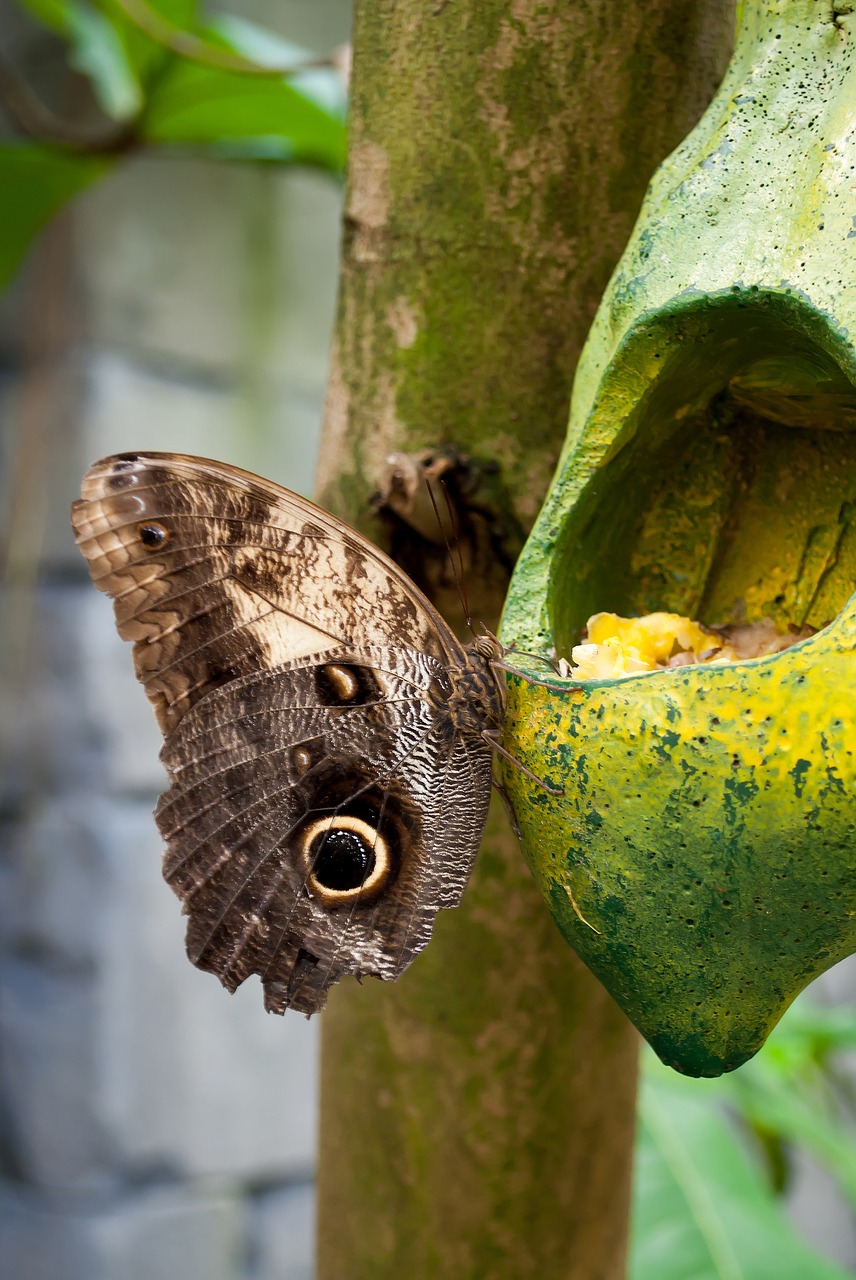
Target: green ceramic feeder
[(701, 858)]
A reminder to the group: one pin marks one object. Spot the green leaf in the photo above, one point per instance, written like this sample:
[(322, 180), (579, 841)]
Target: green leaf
[(797, 1115), (203, 105), (702, 1211), (98, 52), (237, 114), (321, 85), (147, 56), (811, 1031), (181, 13), (52, 14), (787, 1089), (36, 182)]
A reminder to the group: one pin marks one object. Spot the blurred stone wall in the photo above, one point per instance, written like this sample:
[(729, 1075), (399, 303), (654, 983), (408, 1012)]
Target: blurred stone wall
[(151, 1126)]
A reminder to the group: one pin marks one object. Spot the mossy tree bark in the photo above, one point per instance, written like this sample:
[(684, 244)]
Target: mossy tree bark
[(477, 1116)]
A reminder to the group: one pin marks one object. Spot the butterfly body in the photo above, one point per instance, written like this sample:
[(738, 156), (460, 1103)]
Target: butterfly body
[(327, 737)]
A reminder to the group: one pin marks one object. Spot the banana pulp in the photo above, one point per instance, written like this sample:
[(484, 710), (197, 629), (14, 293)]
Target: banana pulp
[(617, 646)]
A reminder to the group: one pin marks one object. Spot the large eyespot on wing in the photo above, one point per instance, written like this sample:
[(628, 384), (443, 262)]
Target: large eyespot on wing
[(309, 839), (216, 573)]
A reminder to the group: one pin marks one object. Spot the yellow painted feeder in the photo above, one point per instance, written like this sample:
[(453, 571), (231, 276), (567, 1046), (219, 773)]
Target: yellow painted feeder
[(702, 856)]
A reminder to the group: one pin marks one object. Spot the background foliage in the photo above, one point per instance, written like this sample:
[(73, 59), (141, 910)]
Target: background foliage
[(224, 96), (714, 1158)]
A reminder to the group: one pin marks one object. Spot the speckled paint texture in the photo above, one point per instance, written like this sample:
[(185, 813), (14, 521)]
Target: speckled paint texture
[(701, 858)]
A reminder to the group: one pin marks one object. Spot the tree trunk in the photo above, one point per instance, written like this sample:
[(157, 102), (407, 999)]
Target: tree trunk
[(477, 1116)]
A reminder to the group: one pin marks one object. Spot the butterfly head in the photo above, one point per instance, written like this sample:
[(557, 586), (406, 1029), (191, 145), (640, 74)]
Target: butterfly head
[(487, 647)]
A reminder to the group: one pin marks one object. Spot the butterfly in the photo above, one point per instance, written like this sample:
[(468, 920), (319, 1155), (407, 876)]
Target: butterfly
[(328, 739)]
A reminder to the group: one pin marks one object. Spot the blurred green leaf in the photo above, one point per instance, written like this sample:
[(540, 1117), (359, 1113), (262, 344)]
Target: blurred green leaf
[(784, 1108), (180, 13), (810, 1030), (321, 85), (236, 114), (788, 1089), (147, 56), (98, 52), (142, 55), (702, 1211), (52, 14), (36, 182), (203, 105)]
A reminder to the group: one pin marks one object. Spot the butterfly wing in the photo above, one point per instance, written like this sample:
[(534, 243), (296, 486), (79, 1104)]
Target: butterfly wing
[(324, 802), (215, 572)]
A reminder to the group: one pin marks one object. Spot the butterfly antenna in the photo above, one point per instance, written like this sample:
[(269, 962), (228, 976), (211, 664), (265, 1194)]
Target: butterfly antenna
[(461, 573), (457, 569)]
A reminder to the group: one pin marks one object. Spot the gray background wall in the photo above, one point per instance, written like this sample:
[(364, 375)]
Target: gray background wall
[(151, 1126)]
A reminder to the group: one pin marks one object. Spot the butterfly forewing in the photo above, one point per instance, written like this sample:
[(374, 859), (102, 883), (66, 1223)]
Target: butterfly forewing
[(215, 573), (327, 791)]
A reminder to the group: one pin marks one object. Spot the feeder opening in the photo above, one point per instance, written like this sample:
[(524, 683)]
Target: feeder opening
[(729, 494)]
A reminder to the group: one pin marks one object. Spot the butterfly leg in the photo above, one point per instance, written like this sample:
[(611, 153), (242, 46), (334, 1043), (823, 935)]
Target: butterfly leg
[(493, 740)]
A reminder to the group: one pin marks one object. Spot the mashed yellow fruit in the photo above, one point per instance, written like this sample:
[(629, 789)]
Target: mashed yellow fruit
[(617, 646)]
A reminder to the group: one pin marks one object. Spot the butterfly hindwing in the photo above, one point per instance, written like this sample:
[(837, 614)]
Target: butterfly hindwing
[(264, 782)]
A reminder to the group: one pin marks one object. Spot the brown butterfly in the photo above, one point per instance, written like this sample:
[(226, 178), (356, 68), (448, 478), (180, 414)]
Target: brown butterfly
[(328, 740)]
